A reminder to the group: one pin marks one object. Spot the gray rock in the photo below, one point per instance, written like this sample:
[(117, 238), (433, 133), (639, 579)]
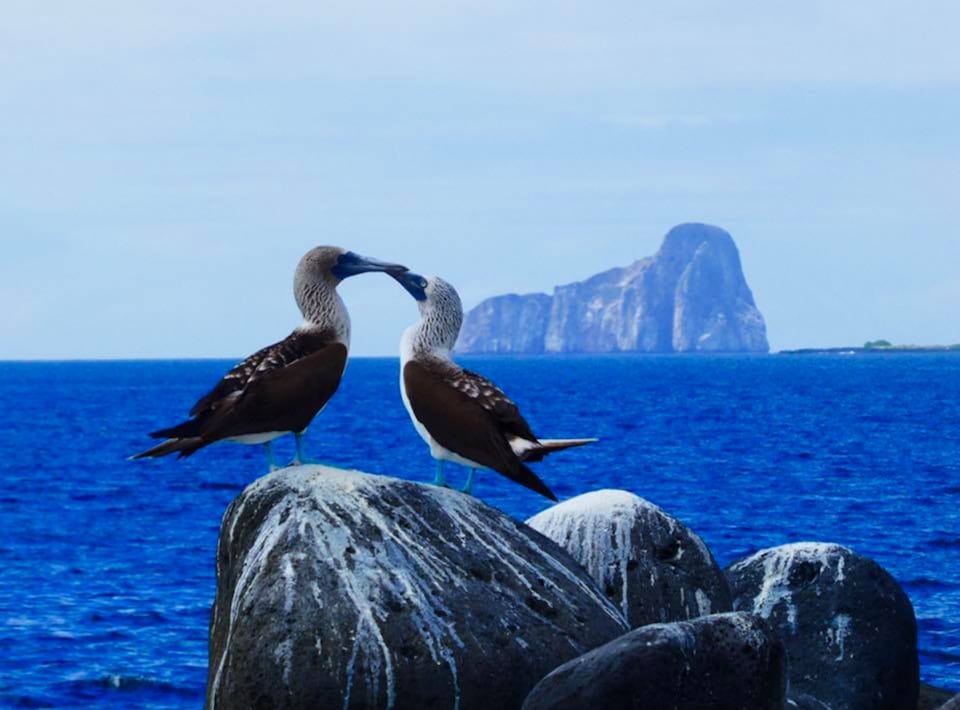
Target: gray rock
[(689, 297), (338, 589), (507, 324), (724, 661), (645, 561), (848, 627), (933, 698), (801, 701)]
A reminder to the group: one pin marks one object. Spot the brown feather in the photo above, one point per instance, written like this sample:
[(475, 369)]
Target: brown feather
[(278, 388), (184, 447), (471, 417)]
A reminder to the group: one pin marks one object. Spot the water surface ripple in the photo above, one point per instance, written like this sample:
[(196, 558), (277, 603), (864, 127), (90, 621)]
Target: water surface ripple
[(108, 565)]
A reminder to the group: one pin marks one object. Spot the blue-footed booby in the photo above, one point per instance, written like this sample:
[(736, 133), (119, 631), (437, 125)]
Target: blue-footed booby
[(280, 389), (462, 416)]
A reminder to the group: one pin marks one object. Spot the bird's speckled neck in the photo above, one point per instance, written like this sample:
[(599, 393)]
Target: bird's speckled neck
[(322, 308), (441, 315)]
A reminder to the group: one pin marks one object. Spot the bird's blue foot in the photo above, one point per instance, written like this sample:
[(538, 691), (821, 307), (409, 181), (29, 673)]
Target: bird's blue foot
[(471, 479), (271, 464), (439, 478), (299, 459)]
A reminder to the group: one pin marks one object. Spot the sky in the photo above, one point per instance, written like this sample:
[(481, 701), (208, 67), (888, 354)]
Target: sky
[(165, 164)]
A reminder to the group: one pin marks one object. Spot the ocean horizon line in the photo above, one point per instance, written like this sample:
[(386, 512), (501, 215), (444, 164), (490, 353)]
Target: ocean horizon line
[(237, 358), (827, 350)]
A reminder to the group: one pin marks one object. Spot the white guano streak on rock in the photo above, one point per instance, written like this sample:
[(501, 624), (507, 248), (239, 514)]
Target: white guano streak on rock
[(703, 602), (838, 632), (399, 564), (406, 576), (596, 528), (462, 509), (777, 563), (284, 652)]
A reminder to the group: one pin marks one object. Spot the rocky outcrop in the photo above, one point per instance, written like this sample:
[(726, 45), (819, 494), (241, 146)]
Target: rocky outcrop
[(340, 589), (508, 324), (848, 627), (933, 698), (712, 663), (645, 561), (690, 297)]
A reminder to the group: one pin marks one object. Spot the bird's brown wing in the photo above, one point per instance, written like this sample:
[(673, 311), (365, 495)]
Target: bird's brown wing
[(270, 378), (493, 400), (467, 414), (234, 381), (283, 397)]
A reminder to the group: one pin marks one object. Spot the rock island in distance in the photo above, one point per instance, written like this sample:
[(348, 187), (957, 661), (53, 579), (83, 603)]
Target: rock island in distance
[(691, 296)]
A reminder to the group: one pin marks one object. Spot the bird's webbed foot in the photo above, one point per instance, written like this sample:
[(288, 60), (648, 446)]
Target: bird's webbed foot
[(439, 479), (471, 479)]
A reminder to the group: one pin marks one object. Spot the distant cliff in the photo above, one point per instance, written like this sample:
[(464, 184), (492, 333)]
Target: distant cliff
[(691, 296)]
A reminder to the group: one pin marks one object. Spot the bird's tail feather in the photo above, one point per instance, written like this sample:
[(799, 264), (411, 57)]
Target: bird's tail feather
[(183, 430), (548, 446), (525, 477), (184, 447)]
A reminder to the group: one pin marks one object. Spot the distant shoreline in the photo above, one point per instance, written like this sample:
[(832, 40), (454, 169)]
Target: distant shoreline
[(874, 350)]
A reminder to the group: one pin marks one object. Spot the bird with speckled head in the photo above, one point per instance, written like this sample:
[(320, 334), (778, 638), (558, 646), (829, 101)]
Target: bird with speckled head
[(280, 389), (461, 415)]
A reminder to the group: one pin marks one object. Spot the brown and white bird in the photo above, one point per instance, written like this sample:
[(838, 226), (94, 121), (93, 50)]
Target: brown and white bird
[(462, 416), (280, 389)]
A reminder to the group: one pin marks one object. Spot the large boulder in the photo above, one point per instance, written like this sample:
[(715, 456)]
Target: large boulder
[(645, 561), (933, 698), (723, 661), (338, 589), (848, 627)]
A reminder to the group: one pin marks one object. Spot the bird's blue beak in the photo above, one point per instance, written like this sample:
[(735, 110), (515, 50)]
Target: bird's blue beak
[(351, 264), (415, 284)]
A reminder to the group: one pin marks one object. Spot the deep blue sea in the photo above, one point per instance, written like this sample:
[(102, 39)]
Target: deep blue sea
[(107, 565)]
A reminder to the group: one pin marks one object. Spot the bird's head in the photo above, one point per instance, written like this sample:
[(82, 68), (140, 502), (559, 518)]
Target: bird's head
[(332, 265), (438, 302), (319, 272)]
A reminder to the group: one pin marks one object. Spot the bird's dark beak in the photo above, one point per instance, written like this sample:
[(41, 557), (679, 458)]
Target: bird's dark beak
[(415, 284), (351, 264)]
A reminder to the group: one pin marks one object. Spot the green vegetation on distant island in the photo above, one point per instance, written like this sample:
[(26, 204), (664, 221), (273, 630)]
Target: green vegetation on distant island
[(876, 346), (887, 345)]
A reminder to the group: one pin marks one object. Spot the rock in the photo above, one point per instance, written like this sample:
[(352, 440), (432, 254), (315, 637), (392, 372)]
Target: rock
[(337, 589), (507, 324), (848, 627), (801, 701), (719, 661), (932, 698), (645, 561), (690, 297)]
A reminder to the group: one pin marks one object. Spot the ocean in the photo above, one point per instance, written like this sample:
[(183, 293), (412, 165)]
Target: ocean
[(107, 565)]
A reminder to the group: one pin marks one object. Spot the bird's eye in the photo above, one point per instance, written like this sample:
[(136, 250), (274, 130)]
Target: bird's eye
[(423, 283)]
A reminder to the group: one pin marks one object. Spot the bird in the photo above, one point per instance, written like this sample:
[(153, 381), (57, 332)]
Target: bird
[(461, 415), (280, 388)]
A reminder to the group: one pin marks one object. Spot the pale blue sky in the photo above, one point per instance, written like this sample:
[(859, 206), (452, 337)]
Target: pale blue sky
[(165, 164)]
